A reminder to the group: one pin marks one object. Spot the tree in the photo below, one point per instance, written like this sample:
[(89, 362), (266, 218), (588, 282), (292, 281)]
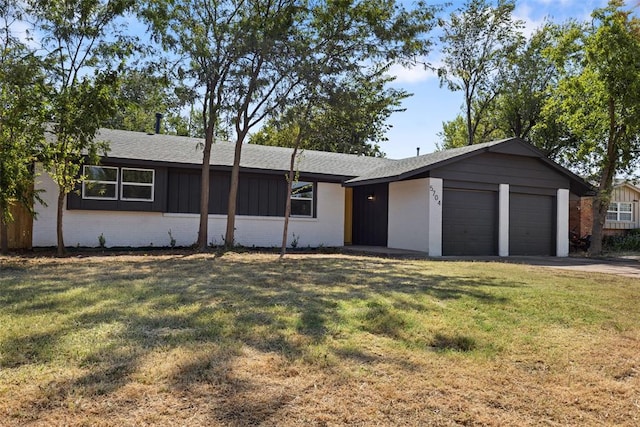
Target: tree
[(22, 119), (217, 38), (85, 50), (522, 108), (249, 58), (333, 113), (477, 41), (142, 93), (599, 100), (351, 118), (454, 132)]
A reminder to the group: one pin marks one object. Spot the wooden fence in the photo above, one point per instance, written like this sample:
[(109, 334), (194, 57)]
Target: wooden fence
[(21, 229)]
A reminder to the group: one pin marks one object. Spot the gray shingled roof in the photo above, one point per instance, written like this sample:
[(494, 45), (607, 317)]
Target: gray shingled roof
[(183, 150), (398, 168), (360, 170)]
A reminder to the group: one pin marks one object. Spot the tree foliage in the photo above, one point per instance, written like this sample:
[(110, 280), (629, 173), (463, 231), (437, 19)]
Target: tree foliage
[(85, 50), (351, 118), (598, 98), (522, 106), (477, 41), (22, 116), (143, 93), (248, 59)]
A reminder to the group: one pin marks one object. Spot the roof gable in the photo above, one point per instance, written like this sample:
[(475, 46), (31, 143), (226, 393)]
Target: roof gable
[(408, 168), (627, 184)]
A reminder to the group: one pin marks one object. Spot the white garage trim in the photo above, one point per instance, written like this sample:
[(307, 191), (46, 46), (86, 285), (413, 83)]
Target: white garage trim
[(562, 238), (503, 218), (434, 214)]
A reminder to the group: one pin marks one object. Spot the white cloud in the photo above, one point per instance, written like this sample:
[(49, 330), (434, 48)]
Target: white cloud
[(414, 74), (524, 12)]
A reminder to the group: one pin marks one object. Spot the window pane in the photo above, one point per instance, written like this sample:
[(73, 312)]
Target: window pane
[(137, 192), (99, 173), (625, 216), (612, 216), (301, 207), (302, 190), (97, 190), (625, 207), (135, 175)]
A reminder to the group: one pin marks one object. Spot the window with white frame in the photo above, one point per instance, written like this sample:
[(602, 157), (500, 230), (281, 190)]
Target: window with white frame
[(100, 183), (137, 184), (302, 199), (620, 211)]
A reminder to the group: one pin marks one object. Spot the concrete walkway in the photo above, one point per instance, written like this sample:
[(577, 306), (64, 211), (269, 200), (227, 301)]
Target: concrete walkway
[(623, 266)]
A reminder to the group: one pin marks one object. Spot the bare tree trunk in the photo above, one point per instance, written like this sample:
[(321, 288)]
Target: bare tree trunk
[(470, 133), (603, 198), (61, 249), (229, 239), (287, 208), (203, 229)]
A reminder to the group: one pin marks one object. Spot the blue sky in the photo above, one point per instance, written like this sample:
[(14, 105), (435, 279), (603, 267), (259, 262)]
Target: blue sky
[(431, 105)]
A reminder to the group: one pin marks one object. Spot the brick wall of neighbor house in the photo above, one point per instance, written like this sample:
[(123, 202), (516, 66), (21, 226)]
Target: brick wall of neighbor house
[(581, 215), (140, 229)]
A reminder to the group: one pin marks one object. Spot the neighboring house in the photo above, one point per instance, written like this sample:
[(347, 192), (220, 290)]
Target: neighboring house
[(623, 213), (498, 198), (623, 209)]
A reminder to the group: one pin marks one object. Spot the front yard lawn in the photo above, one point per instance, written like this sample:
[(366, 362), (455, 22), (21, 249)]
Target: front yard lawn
[(242, 339)]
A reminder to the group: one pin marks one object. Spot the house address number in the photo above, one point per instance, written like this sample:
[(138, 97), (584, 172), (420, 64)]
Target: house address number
[(435, 195)]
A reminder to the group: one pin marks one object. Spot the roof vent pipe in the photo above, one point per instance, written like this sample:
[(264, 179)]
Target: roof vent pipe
[(417, 151), (158, 119)]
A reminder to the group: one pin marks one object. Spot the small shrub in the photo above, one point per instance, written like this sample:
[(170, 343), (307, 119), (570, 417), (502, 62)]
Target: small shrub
[(102, 241), (294, 240), (627, 242), (172, 241)]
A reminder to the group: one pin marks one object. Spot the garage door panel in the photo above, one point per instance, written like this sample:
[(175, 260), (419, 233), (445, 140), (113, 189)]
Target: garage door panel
[(531, 224), (469, 222)]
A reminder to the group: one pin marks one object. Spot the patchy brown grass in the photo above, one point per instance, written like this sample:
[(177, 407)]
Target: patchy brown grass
[(242, 339)]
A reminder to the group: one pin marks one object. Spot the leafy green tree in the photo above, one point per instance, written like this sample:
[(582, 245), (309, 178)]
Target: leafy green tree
[(22, 116), (334, 113), (249, 58), (350, 118), (85, 49), (522, 108), (454, 132), (142, 94), (216, 39), (477, 41), (598, 98)]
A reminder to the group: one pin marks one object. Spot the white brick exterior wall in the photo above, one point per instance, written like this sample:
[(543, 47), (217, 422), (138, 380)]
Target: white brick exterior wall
[(137, 229)]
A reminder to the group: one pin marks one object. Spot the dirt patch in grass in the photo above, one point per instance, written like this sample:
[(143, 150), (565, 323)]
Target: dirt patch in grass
[(242, 339)]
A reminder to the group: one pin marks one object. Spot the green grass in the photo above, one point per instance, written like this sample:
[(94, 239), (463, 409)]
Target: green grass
[(251, 340)]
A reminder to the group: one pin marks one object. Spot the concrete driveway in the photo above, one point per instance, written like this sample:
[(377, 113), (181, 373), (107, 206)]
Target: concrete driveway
[(623, 266), (627, 266)]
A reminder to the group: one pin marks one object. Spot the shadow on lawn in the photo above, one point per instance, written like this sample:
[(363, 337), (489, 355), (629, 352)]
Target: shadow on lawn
[(274, 307)]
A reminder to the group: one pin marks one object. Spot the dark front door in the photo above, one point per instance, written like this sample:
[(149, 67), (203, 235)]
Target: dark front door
[(370, 214), (531, 224), (469, 222)]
